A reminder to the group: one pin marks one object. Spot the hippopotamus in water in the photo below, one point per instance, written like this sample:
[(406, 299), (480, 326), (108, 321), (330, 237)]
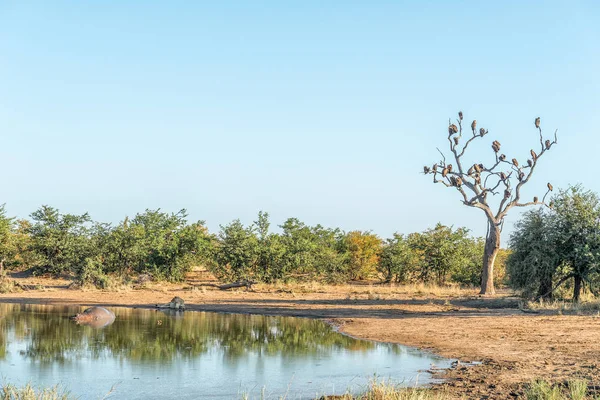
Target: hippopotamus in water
[(96, 317)]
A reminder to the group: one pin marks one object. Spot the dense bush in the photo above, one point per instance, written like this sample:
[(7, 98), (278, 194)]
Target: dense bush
[(6, 242), (154, 242), (61, 241), (92, 273), (558, 247), (300, 252), (166, 246)]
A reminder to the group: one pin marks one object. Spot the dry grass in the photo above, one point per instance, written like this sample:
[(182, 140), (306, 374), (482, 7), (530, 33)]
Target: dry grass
[(112, 287), (8, 285), (422, 289), (28, 392), (379, 390), (568, 307), (372, 291), (388, 391)]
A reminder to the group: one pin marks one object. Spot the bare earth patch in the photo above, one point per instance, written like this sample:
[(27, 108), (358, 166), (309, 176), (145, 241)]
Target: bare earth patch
[(515, 347)]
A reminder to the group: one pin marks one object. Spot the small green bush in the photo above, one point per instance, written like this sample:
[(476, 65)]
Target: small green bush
[(92, 274)]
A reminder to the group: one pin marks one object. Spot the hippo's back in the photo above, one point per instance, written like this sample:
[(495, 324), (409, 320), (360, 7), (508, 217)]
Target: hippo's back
[(99, 312), (95, 316)]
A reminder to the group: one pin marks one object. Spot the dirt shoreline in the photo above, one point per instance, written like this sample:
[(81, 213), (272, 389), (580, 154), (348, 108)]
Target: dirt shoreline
[(514, 347)]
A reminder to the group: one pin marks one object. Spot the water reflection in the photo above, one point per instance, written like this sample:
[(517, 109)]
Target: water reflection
[(167, 334), (43, 343)]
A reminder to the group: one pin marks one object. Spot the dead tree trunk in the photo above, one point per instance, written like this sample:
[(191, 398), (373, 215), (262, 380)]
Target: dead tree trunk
[(477, 183), (492, 246)]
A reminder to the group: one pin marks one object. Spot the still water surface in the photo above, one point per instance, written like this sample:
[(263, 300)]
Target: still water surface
[(148, 354)]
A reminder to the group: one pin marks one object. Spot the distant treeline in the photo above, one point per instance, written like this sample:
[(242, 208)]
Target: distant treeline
[(167, 246)]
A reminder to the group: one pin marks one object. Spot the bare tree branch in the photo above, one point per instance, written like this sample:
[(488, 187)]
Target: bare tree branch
[(477, 177)]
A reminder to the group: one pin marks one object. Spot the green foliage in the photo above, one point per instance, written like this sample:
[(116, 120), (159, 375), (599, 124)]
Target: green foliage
[(445, 252), (269, 251), (166, 246), (237, 254), (155, 242), (301, 248), (577, 223), (170, 246), (14, 242), (400, 261), (302, 252), (331, 255), (558, 246), (468, 271), (91, 273), (533, 261), (6, 242), (314, 252), (60, 240), (122, 247)]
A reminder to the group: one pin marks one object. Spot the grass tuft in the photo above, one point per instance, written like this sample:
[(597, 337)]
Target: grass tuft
[(542, 390), (28, 392), (8, 285), (576, 389)]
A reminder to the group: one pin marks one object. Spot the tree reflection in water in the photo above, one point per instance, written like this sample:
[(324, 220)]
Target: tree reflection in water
[(153, 336)]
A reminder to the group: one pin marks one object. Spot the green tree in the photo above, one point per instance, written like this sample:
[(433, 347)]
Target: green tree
[(301, 247), (399, 260), (468, 272), (170, 246), (577, 224), (7, 243), (551, 248), (271, 251), (444, 251), (237, 253), (122, 247), (533, 262), (332, 257), (61, 241), (20, 246)]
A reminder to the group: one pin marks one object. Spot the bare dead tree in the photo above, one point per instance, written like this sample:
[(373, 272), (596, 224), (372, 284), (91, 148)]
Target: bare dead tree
[(477, 183)]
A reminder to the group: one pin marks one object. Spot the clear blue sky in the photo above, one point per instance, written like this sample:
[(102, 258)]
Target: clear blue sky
[(325, 111)]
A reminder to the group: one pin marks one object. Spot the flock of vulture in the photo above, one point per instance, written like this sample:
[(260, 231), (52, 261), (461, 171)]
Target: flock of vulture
[(475, 171)]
